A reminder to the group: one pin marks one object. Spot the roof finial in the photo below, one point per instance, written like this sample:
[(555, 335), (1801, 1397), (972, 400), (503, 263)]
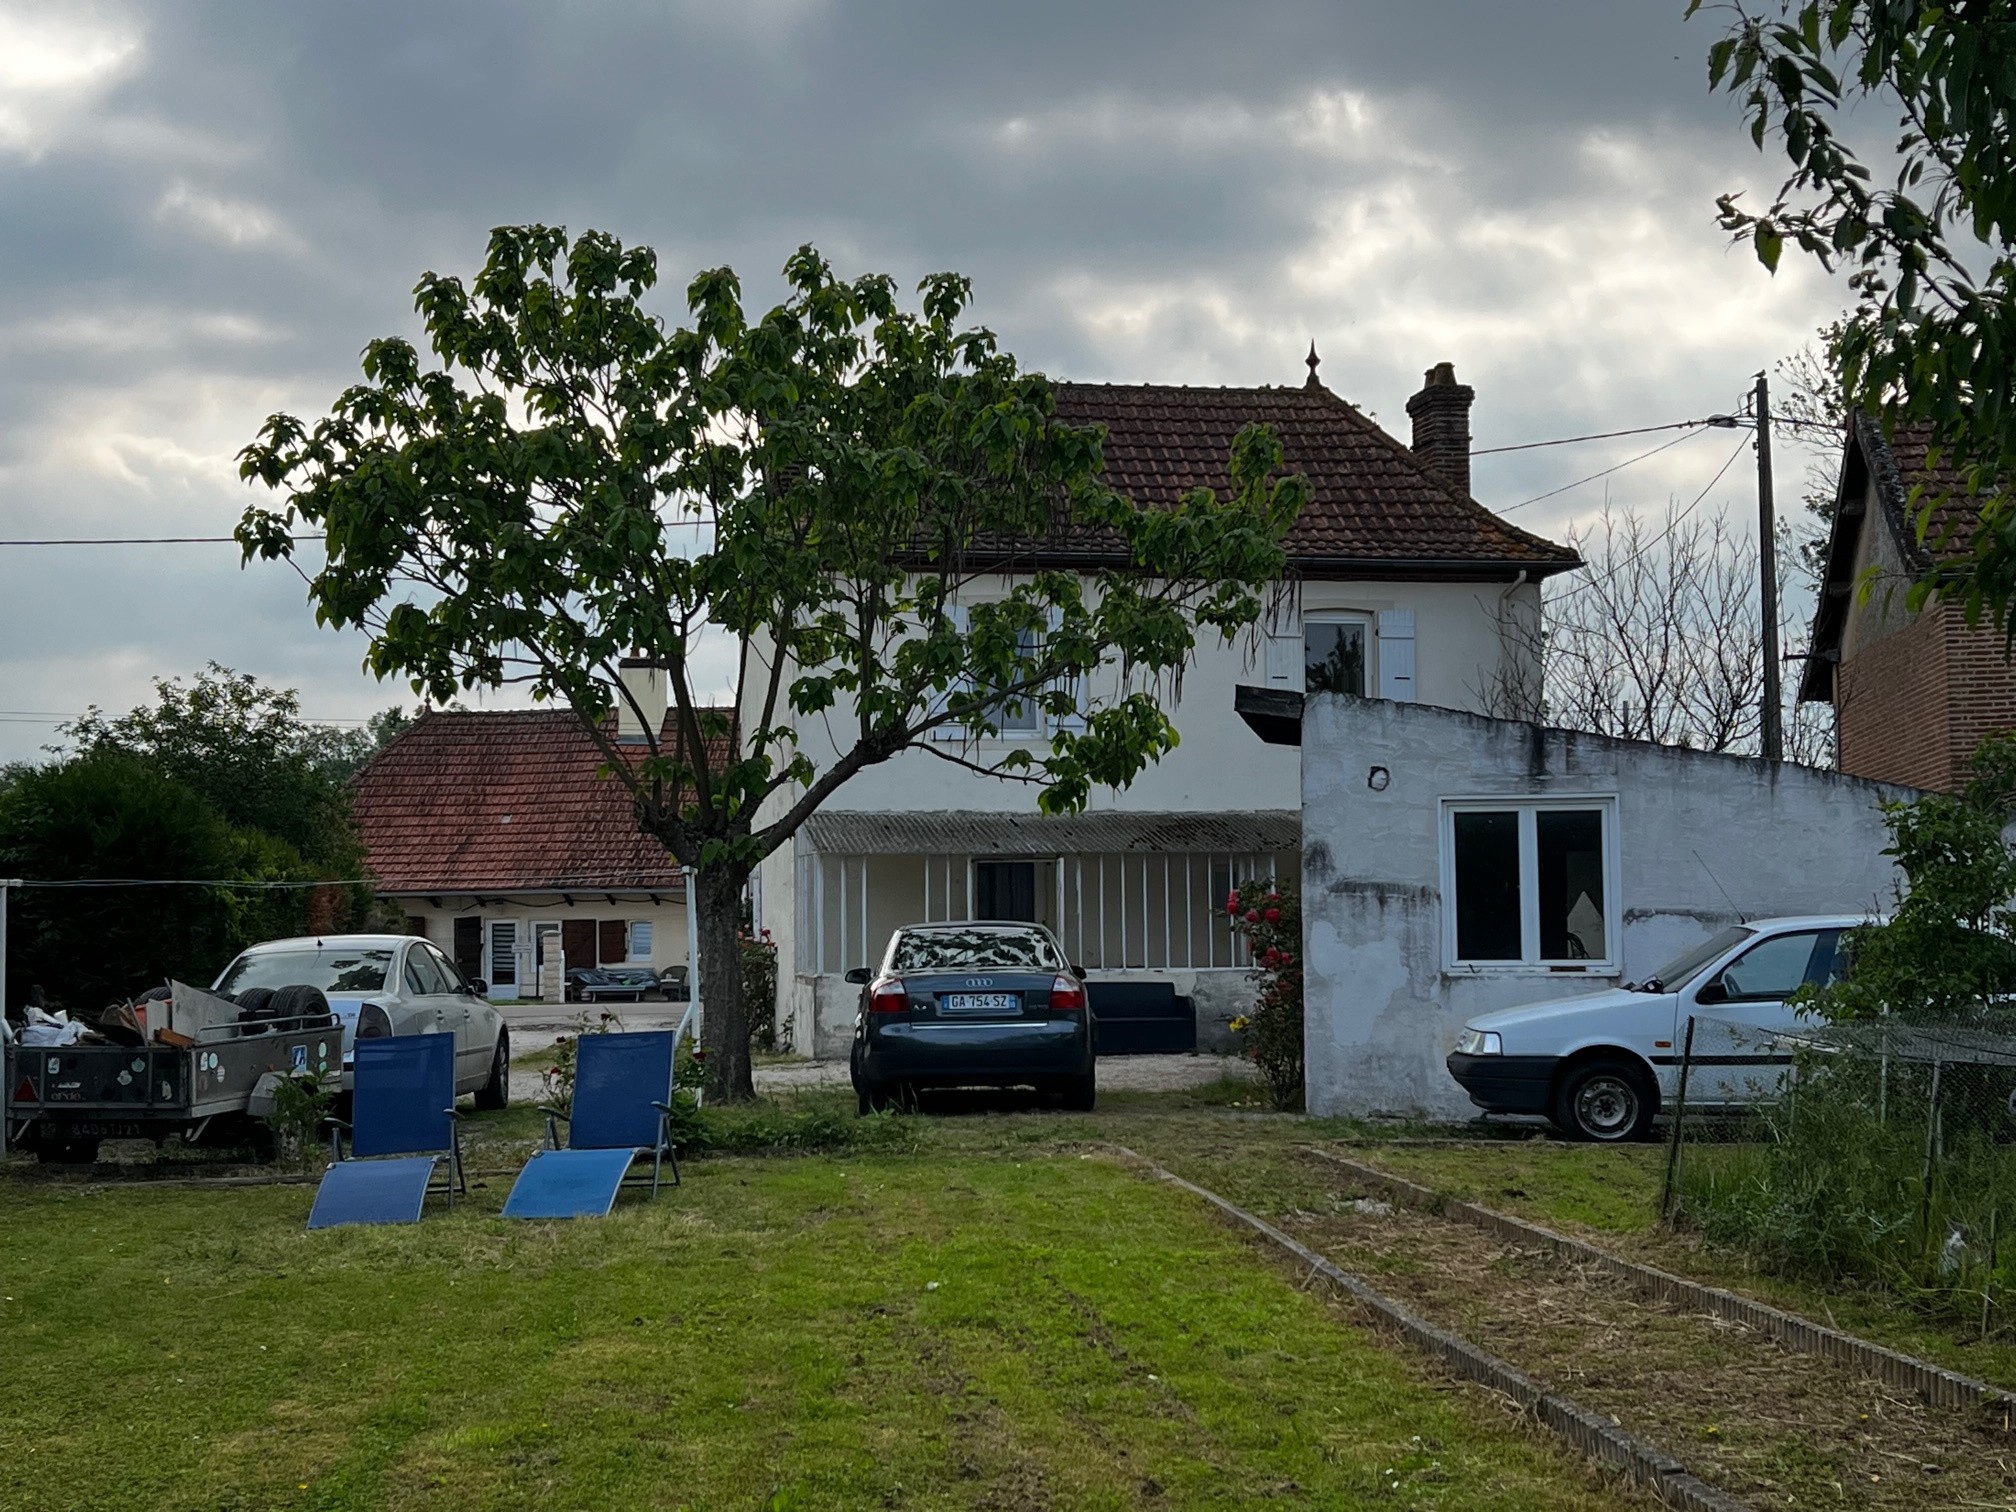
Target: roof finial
[(1313, 359)]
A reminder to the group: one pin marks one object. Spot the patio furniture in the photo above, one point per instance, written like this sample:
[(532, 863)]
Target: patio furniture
[(620, 1116), (402, 1126)]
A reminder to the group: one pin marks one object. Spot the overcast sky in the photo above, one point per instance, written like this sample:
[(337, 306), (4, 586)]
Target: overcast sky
[(206, 210)]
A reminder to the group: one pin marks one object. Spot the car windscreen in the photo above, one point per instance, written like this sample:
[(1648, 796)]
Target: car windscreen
[(333, 968), (973, 950), (1687, 965)]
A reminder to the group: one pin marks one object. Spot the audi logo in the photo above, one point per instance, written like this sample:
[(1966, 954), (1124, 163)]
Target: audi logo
[(989, 982)]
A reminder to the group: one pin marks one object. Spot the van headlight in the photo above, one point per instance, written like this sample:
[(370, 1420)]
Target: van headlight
[(1479, 1042)]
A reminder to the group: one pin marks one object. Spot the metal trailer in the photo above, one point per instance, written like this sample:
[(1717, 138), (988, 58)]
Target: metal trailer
[(62, 1100)]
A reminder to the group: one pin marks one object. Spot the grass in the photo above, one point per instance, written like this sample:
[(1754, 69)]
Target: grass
[(996, 1322)]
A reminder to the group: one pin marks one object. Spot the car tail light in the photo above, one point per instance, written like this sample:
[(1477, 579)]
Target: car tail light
[(889, 996), (373, 1022), (1067, 995)]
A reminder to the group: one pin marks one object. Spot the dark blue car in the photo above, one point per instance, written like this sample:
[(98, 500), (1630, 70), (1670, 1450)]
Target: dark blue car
[(972, 1005)]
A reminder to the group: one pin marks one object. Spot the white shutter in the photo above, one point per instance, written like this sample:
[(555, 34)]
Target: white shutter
[(1396, 655), (956, 613), (1284, 663), (1072, 683)]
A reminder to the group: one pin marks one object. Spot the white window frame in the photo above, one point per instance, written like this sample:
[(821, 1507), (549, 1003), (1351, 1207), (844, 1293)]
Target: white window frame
[(1368, 627), (630, 954), (1531, 962)]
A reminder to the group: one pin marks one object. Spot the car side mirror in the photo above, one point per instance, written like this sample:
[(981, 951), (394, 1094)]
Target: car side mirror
[(479, 987), (1078, 972), (858, 976), (1716, 991)]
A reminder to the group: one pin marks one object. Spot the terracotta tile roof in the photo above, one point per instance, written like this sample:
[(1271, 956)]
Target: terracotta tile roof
[(1373, 504), (503, 801)]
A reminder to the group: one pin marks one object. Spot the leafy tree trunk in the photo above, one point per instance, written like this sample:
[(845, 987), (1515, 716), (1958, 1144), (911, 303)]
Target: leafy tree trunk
[(725, 1034)]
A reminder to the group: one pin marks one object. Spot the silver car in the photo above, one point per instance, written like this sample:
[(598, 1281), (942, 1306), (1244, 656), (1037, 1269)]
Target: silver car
[(381, 985)]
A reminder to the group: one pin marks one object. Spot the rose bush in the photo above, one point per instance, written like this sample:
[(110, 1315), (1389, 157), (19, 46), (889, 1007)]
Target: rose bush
[(1269, 916)]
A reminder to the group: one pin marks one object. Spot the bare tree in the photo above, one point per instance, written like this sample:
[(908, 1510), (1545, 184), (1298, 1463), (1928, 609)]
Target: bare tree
[(1660, 639)]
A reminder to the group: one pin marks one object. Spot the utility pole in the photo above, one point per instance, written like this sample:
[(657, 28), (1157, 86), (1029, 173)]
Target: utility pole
[(1767, 562), (6, 1040)]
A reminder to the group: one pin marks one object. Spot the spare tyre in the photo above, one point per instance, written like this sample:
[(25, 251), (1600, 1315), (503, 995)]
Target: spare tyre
[(299, 1002), (255, 1002), (157, 995)]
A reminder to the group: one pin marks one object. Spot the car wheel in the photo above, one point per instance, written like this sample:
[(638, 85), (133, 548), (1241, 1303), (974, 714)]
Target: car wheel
[(1081, 1093), (1609, 1101), (874, 1097), (496, 1092)]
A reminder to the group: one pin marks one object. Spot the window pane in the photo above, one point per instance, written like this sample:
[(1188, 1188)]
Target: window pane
[(1487, 887), (1570, 842), (1774, 969), (1021, 714), (1333, 653), (640, 939)]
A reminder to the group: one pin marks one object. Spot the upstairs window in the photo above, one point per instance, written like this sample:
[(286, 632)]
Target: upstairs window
[(1529, 884), (1333, 656)]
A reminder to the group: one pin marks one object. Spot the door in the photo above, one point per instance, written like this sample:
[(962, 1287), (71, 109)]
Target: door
[(503, 957), (1738, 1010), (439, 1008), (577, 943), (1005, 890), (469, 948), (476, 1032)]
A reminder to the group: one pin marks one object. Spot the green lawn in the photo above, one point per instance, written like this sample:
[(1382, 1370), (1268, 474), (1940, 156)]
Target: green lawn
[(996, 1320)]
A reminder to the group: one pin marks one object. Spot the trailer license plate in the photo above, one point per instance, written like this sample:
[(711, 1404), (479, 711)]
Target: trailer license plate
[(981, 1002)]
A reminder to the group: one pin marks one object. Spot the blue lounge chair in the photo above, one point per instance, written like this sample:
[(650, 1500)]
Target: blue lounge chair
[(402, 1125), (621, 1113)]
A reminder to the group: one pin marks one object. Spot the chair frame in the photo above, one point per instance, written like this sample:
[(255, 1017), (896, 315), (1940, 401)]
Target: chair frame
[(453, 1182)]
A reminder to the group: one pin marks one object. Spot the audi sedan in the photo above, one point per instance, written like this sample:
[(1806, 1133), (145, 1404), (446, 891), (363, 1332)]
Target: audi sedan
[(977, 1004)]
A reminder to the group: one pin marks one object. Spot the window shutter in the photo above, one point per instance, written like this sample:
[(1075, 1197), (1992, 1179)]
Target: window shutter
[(640, 940), (1285, 660), (1396, 655), (1072, 683), (612, 944), (957, 614)]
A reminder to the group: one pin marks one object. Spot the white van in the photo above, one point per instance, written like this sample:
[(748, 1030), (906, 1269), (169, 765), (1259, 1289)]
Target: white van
[(1601, 1066)]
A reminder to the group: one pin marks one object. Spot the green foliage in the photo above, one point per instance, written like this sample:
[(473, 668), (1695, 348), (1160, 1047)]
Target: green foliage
[(759, 990), (1269, 915), (300, 1104), (1933, 336), (832, 484), (110, 814)]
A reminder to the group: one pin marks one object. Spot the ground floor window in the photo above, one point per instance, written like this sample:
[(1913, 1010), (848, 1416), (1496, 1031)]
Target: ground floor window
[(1529, 883)]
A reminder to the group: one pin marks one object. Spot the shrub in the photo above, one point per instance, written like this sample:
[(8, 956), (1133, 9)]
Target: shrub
[(1269, 916), (759, 991)]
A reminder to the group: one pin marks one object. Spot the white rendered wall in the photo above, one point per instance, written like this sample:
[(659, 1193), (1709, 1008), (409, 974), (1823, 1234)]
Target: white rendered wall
[(1382, 1007)]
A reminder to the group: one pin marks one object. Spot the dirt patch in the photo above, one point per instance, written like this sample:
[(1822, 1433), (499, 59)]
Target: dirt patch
[(1775, 1428)]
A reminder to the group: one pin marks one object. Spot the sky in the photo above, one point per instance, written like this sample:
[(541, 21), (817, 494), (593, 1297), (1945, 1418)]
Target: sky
[(207, 210)]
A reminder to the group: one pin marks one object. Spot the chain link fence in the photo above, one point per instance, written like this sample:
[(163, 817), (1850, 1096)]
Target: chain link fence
[(1875, 1151)]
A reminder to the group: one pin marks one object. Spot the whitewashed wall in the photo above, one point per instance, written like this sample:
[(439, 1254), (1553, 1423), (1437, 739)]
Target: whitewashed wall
[(667, 919), (1383, 1008)]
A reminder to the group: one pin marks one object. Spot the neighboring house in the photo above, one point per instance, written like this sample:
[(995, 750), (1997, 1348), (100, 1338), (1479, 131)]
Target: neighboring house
[(1913, 694), (1453, 864), (498, 839), (1401, 586)]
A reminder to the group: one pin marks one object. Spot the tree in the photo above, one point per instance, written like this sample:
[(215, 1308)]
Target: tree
[(1810, 412), (1660, 640), (819, 488), (109, 814), (1932, 338)]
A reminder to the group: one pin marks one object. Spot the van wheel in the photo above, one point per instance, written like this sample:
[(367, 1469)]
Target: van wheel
[(1609, 1101)]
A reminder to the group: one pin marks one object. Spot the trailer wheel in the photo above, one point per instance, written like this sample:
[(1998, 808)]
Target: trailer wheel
[(68, 1152)]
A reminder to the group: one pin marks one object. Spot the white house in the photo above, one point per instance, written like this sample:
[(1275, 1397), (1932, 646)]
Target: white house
[(1404, 587), (1453, 864)]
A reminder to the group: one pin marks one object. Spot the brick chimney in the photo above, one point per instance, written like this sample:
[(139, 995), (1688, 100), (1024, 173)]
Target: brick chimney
[(1441, 416)]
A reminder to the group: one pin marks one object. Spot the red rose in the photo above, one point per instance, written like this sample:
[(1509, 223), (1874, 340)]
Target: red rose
[(1252, 916), (1273, 896), (1232, 903), (1273, 916), (1287, 959)]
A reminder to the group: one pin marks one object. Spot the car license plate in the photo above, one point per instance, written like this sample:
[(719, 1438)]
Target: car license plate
[(981, 1002)]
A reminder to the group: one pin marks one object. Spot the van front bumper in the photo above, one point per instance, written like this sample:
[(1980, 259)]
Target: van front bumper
[(1506, 1083)]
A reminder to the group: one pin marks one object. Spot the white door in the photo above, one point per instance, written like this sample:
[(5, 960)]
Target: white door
[(1738, 1011), (501, 956)]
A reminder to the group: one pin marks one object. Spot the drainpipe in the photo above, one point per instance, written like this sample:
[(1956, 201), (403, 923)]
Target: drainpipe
[(1504, 643)]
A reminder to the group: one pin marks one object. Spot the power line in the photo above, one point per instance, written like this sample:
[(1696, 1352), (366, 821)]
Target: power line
[(1671, 526), (1636, 430), (140, 541), (1664, 445)]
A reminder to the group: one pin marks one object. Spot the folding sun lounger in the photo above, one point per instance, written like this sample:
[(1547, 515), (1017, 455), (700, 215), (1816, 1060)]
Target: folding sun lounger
[(620, 1116), (402, 1126)]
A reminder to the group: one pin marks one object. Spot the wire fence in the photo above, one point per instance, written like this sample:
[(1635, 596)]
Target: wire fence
[(1876, 1151)]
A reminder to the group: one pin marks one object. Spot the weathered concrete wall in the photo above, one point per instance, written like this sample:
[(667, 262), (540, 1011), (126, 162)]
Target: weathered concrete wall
[(1384, 1007)]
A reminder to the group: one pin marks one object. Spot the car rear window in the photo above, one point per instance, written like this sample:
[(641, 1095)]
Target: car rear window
[(961, 949), (333, 969)]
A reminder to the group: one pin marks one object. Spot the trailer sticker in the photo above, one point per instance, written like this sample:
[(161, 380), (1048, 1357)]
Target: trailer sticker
[(125, 1078), (300, 1057)]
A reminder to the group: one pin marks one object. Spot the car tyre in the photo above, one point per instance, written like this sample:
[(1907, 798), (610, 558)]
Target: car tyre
[(1605, 1101), (298, 1002), (1081, 1093), (874, 1097), (495, 1094)]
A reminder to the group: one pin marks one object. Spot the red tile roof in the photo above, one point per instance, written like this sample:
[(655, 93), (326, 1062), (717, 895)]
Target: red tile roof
[(504, 801), (1373, 506)]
